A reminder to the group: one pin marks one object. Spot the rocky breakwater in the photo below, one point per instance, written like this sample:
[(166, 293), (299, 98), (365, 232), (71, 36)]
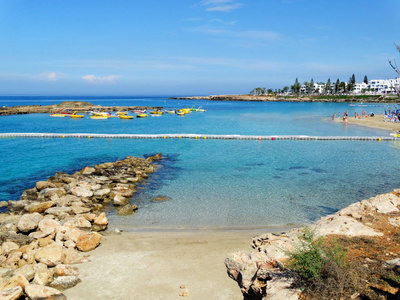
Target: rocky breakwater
[(369, 230), (53, 226)]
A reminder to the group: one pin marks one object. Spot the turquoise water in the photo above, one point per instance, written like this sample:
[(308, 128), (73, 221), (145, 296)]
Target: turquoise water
[(213, 183)]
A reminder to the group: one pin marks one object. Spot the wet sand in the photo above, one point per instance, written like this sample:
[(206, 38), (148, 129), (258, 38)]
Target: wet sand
[(154, 265)]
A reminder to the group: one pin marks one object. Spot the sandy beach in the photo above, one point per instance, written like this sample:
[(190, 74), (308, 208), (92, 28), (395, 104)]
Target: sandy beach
[(373, 122), (154, 265)]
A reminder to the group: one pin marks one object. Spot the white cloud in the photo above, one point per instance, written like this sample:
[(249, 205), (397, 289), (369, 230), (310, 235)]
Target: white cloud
[(51, 76), (244, 34), (220, 5), (92, 79)]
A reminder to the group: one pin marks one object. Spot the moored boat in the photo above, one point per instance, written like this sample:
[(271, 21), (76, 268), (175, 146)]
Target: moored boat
[(170, 111), (139, 111), (141, 116), (156, 112), (75, 116), (99, 117), (58, 114), (125, 116)]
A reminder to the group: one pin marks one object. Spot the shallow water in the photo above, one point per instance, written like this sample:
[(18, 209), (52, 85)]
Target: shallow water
[(214, 183)]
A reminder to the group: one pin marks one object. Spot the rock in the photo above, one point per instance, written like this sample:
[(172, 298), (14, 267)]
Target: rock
[(342, 225), (48, 224), (65, 282), (20, 239), (11, 293), (3, 203), (88, 241), (47, 194), (29, 222), (65, 270), (27, 271), (82, 192), (39, 207), (43, 277), (101, 219), (38, 292), (87, 170), (127, 209), (78, 222), (50, 255), (41, 185), (16, 280), (160, 199), (79, 209), (120, 200), (73, 257), (101, 193), (17, 206), (57, 211), (9, 247), (30, 194)]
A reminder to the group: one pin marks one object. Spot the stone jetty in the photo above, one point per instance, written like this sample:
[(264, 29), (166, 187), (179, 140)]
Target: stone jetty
[(371, 226), (79, 106), (54, 224)]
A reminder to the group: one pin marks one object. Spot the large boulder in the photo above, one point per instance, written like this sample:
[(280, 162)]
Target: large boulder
[(29, 222), (41, 185), (39, 292), (11, 293), (88, 241), (65, 282), (50, 255)]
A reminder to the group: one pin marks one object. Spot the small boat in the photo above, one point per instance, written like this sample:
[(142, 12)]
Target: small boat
[(75, 116), (180, 113), (67, 112), (141, 116), (156, 112), (58, 114), (170, 111), (125, 116), (99, 117), (139, 111)]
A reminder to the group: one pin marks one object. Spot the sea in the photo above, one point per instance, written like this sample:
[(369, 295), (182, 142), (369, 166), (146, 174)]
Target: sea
[(211, 184)]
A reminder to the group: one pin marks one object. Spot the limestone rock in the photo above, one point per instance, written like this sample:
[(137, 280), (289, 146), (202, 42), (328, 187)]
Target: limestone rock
[(27, 271), (17, 206), (43, 277), (74, 257), (88, 241), (11, 293), (41, 185), (29, 222), (65, 282), (65, 270), (48, 224), (78, 222), (30, 194), (50, 255), (47, 194), (79, 209), (39, 207), (120, 200), (82, 192), (9, 247), (101, 219), (38, 292), (87, 170), (16, 280), (57, 211), (127, 209)]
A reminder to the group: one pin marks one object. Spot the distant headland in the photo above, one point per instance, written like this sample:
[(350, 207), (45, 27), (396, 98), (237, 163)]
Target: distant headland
[(294, 98)]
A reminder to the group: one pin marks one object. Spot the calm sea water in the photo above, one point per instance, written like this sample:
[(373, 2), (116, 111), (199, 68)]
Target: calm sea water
[(212, 183)]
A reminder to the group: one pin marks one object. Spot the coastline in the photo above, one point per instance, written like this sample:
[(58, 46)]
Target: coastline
[(373, 122)]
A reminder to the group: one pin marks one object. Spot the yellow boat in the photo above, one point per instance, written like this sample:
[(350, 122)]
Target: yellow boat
[(156, 112), (141, 116), (58, 114), (125, 116), (75, 116), (99, 117)]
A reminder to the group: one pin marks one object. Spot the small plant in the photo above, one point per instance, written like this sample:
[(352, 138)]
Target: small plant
[(311, 256)]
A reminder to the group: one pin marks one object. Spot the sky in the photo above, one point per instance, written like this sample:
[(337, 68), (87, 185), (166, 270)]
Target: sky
[(191, 47)]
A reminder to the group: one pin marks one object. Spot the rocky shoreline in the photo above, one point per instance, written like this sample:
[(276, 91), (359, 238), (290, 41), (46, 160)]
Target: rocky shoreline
[(267, 98), (54, 225), (79, 106), (370, 226)]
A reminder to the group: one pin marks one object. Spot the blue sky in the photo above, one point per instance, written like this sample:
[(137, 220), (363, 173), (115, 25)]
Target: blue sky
[(191, 47)]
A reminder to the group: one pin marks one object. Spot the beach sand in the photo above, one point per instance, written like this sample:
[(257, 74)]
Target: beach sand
[(373, 122), (155, 264)]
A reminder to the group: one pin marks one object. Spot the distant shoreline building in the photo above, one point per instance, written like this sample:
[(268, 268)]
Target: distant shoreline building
[(374, 87)]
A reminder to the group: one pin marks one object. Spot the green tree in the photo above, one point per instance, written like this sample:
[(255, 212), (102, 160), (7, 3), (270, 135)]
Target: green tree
[(296, 87), (342, 87), (307, 85), (311, 87), (269, 91), (365, 79), (328, 86), (337, 86), (285, 89)]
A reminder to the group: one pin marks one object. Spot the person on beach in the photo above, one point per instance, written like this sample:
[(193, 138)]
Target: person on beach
[(333, 117), (355, 115)]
